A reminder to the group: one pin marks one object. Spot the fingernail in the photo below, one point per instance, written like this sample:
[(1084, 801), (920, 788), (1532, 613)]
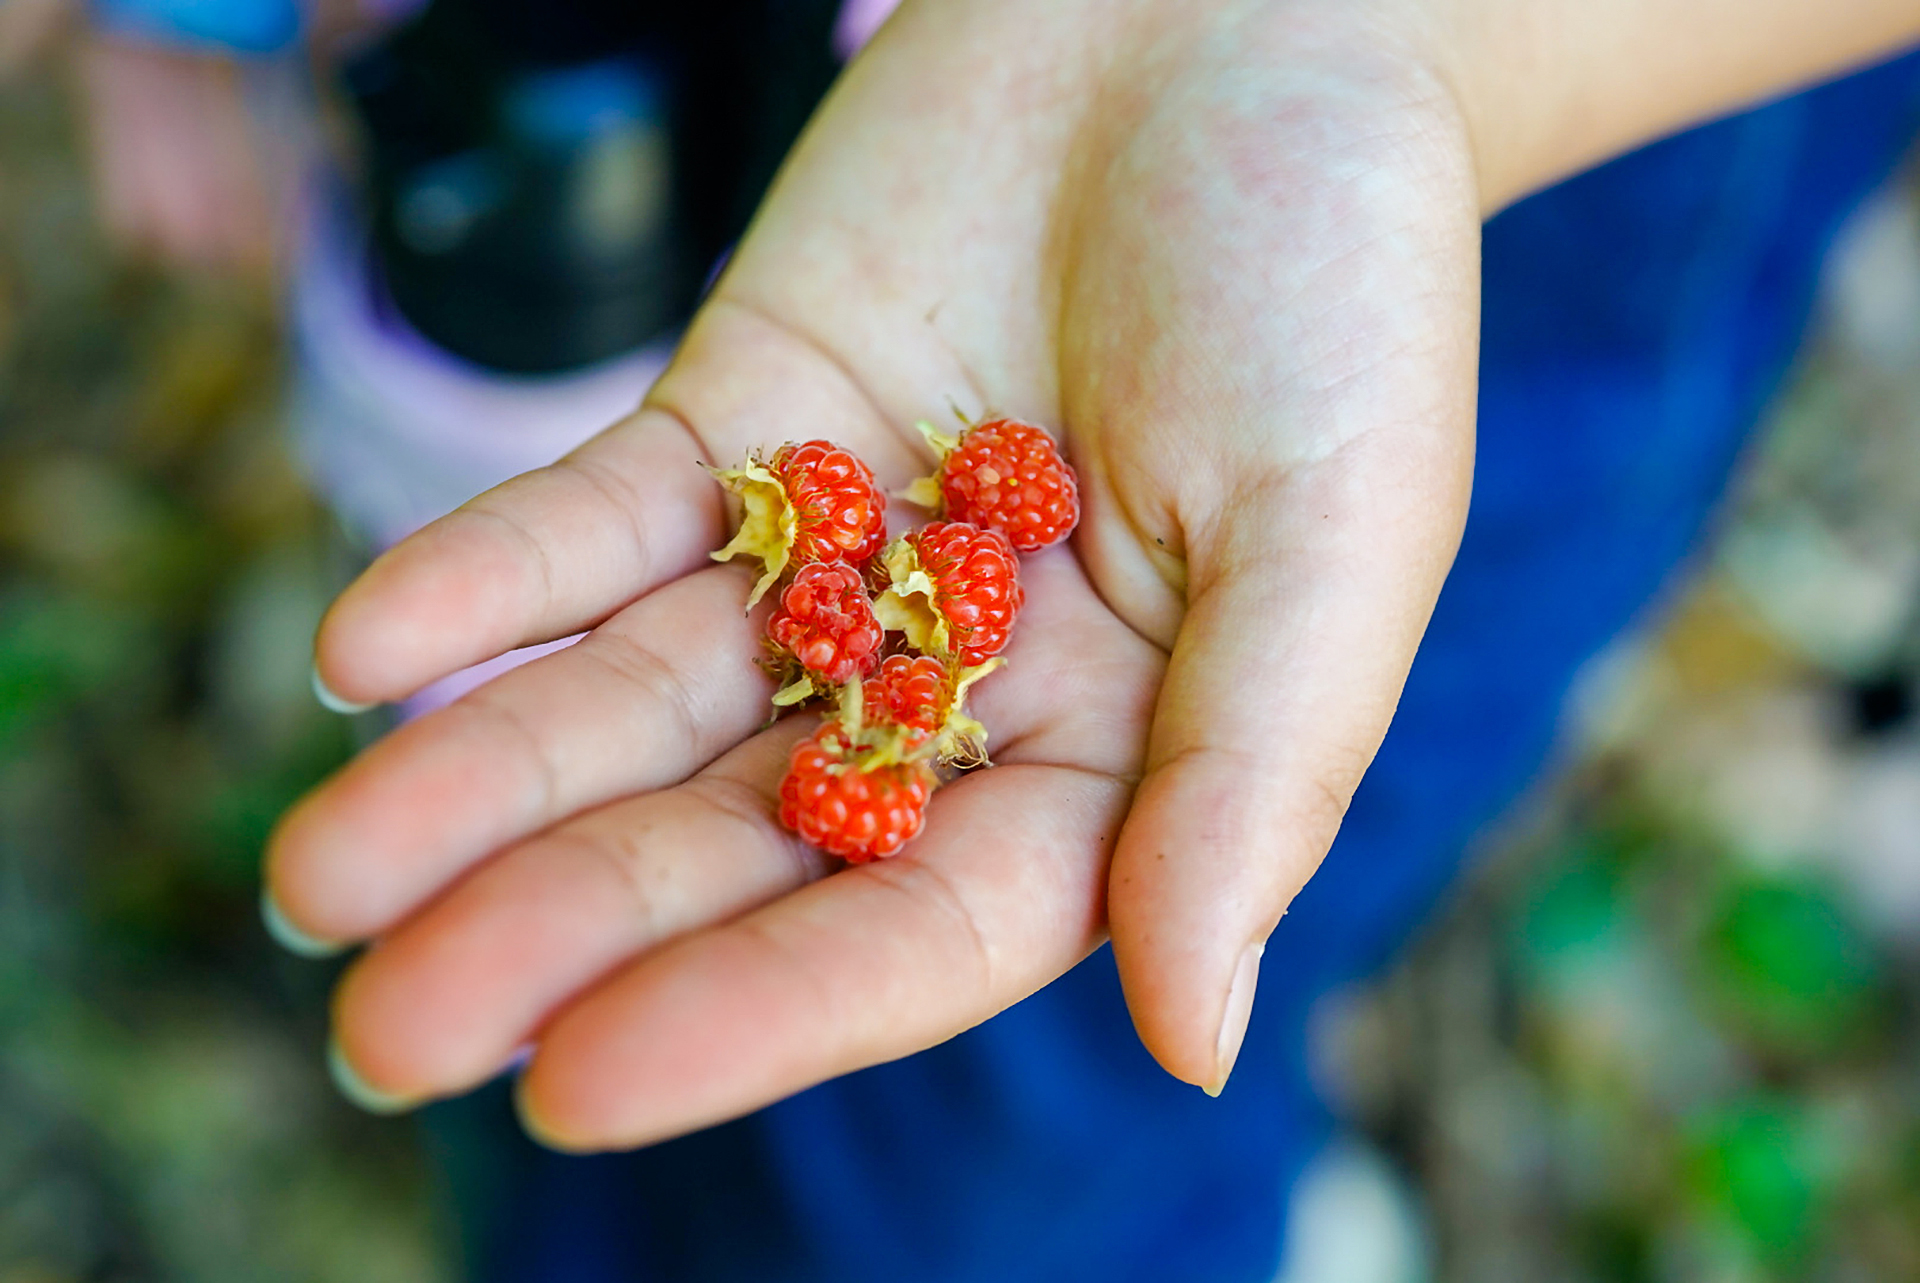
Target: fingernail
[(1233, 1021), (290, 937), (355, 1088), (537, 1131), (334, 703)]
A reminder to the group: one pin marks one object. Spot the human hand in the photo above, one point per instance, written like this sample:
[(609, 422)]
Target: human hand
[(1233, 258)]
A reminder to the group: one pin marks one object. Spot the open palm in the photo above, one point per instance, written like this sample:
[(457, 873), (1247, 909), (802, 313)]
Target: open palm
[(1233, 259)]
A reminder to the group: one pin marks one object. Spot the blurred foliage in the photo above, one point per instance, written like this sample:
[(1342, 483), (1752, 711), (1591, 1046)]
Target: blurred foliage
[(1671, 1031), (1783, 966), (164, 1113)]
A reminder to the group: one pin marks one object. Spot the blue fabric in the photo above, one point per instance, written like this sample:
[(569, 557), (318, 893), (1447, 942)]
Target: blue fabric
[(1636, 320), (205, 26)]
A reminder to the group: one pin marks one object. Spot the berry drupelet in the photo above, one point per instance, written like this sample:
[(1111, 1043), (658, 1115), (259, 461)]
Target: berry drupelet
[(825, 624), (1002, 475), (810, 502), (843, 801), (953, 589)]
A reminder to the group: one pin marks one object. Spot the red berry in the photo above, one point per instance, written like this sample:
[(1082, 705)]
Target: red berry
[(1008, 476), (847, 807), (915, 706), (839, 512), (826, 623), (910, 691), (810, 502), (955, 591)]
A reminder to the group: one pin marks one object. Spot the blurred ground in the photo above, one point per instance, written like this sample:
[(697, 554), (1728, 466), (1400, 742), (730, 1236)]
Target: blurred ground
[(1671, 1031)]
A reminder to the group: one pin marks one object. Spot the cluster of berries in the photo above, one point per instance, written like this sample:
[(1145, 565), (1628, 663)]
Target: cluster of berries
[(891, 636)]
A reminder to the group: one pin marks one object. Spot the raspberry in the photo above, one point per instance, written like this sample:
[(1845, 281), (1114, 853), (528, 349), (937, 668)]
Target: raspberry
[(810, 502), (954, 591), (838, 800), (916, 701), (909, 691), (826, 623), (1003, 475)]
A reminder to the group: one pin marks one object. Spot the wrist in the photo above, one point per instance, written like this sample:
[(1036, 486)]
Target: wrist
[(1547, 88)]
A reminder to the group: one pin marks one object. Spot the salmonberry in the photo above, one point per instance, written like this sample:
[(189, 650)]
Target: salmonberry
[(839, 799), (954, 590), (909, 691), (1002, 475), (826, 624), (811, 502), (920, 702)]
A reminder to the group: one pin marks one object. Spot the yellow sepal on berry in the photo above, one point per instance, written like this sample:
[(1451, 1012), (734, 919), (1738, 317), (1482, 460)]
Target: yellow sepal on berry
[(811, 502), (914, 709), (962, 740), (907, 606), (767, 529), (953, 590), (925, 491)]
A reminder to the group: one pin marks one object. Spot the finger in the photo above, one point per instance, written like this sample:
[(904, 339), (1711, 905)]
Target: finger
[(640, 703), (541, 556), (865, 966), (440, 1003), (557, 550), (443, 1002), (1305, 610)]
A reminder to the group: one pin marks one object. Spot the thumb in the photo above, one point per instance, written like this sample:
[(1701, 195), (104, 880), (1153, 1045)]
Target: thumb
[(1307, 598)]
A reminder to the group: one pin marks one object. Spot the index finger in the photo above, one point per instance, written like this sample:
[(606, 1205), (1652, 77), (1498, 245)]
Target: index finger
[(560, 549)]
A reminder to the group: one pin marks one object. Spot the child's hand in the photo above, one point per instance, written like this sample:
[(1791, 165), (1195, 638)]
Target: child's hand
[(1237, 266), (1231, 251)]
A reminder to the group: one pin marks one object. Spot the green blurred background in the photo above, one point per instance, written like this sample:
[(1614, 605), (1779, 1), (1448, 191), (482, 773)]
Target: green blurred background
[(163, 1109), (1666, 1032)]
